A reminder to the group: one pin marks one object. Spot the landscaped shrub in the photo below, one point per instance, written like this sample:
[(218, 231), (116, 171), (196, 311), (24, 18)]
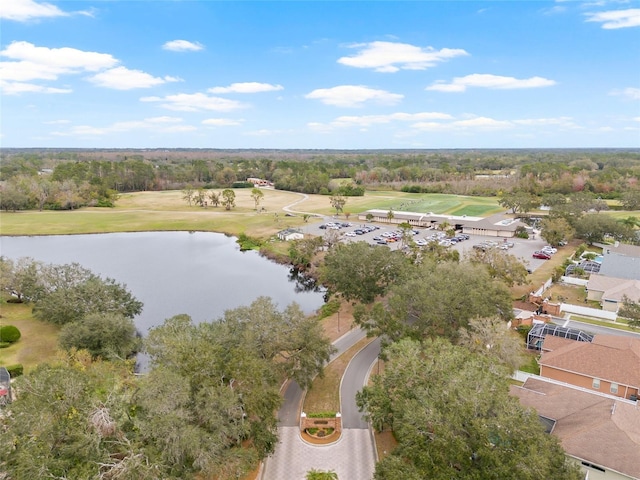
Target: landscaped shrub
[(9, 333), (15, 370), (329, 308)]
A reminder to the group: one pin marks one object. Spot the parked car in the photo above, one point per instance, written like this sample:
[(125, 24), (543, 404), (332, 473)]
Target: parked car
[(542, 255)]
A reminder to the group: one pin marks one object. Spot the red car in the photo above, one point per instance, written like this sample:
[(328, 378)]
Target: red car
[(542, 255)]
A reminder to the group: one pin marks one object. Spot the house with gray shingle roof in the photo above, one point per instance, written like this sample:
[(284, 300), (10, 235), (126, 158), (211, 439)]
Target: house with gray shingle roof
[(611, 291)]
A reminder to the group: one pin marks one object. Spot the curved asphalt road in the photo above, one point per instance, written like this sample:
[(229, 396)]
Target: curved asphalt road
[(353, 456)]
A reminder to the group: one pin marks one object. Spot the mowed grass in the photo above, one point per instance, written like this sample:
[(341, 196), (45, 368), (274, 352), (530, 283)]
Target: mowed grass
[(38, 343), (167, 210)]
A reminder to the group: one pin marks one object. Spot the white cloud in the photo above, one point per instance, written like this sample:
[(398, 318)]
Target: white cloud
[(122, 78), (192, 102), (247, 87), (460, 84), (154, 124), (565, 122), (48, 63), (476, 123), (613, 19), (16, 88), (57, 122), (221, 122), (630, 92), (25, 10), (365, 121), (182, 46), (391, 57), (353, 96)]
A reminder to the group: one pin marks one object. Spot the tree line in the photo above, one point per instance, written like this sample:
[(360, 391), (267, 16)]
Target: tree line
[(78, 178)]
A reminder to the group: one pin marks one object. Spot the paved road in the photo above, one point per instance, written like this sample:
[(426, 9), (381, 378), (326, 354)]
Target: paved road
[(355, 377), (353, 456), (289, 413)]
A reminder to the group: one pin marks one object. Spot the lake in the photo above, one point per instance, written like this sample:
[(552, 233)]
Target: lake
[(198, 273)]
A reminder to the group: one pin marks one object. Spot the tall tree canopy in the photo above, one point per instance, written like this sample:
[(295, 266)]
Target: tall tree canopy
[(360, 272), (436, 299), (453, 417)]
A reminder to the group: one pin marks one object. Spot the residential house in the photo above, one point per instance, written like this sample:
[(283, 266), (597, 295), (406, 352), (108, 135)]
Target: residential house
[(601, 433), (610, 291), (609, 364), (621, 261)]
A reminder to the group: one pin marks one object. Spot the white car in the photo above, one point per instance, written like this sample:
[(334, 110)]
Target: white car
[(350, 234), (549, 249)]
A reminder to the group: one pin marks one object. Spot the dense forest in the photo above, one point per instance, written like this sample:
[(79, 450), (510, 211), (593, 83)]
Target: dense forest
[(68, 179)]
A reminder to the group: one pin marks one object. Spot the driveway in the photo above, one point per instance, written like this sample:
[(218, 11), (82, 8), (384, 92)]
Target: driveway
[(353, 456)]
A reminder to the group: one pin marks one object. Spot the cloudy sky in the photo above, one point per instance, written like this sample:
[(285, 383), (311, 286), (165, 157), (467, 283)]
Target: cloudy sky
[(294, 74)]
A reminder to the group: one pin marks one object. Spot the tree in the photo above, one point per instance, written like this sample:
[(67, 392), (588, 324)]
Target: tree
[(519, 201), (631, 311), (210, 400), (301, 252), (200, 197), (187, 194), (436, 299), (72, 419), (500, 265), (390, 215), (338, 202), (594, 228), (555, 230), (361, 273), (228, 198), (453, 417), (71, 292), (21, 278), (214, 198), (493, 338), (631, 200), (105, 335), (257, 196)]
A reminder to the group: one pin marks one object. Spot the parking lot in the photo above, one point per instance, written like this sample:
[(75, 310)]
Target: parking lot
[(383, 235)]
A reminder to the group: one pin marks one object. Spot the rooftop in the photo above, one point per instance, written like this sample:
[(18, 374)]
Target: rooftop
[(597, 428)]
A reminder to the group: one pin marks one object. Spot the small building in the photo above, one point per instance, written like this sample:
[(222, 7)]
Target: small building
[(290, 234), (599, 432)]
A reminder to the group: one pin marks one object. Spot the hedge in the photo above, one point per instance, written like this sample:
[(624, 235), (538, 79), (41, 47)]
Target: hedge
[(9, 333)]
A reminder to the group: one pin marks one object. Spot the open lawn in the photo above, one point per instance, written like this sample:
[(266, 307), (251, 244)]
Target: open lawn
[(39, 340), (167, 210)]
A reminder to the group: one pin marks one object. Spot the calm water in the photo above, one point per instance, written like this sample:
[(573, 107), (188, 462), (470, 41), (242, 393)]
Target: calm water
[(200, 274)]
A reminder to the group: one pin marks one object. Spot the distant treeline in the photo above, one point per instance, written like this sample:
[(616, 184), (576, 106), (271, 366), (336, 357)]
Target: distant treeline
[(64, 179)]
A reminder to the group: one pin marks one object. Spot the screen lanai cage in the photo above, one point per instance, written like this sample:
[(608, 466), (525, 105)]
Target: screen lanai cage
[(536, 335), (5, 386)]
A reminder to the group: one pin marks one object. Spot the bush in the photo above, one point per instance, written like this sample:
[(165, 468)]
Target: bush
[(329, 308), (14, 300), (15, 370), (4, 344), (9, 333)]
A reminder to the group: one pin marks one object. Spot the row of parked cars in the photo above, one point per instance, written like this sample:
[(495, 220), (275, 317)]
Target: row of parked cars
[(545, 252), (486, 245)]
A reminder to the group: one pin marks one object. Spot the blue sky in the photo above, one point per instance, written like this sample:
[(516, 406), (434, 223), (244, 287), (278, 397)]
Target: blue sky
[(320, 75)]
